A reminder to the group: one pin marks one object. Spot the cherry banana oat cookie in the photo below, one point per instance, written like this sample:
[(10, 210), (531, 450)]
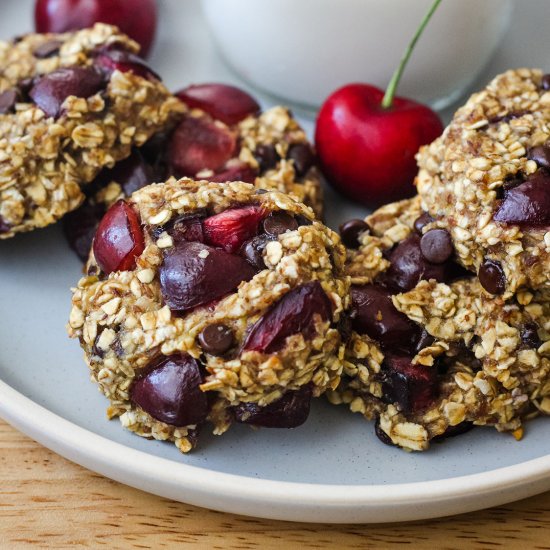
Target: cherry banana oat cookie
[(209, 301), (487, 181), (431, 352), (70, 105)]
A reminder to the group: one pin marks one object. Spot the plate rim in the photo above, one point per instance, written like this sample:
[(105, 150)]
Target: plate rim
[(112, 459)]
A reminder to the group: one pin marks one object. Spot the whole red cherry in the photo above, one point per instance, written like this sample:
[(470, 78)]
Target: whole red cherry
[(136, 18), (367, 139)]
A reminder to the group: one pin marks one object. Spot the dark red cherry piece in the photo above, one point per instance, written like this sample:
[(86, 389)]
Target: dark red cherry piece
[(290, 411), (239, 172), (294, 313), (170, 391), (194, 274), (110, 60), (80, 227), (50, 91), (231, 228), (200, 144), (119, 239), (187, 228)]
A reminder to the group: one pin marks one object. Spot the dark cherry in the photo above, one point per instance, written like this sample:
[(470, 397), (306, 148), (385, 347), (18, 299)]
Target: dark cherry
[(198, 144), (492, 277), (279, 222), (528, 204), (253, 250), (294, 313), (221, 101), (302, 156), (187, 228), (231, 228), (422, 221), (374, 314), (170, 391), (47, 49), (350, 231), (541, 155), (110, 60), (436, 246), (194, 274), (530, 336), (381, 434), (239, 172), (131, 174), (216, 339), (8, 99), (409, 266), (137, 18), (50, 91), (267, 157), (80, 227), (119, 239), (424, 341), (545, 83), (290, 411), (412, 387)]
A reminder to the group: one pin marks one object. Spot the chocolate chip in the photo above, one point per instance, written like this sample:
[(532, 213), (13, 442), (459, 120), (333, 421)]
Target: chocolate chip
[(421, 222), (47, 49), (253, 250), (425, 340), (436, 246), (278, 223), (302, 220), (508, 117), (382, 435), (8, 99), (530, 336), (302, 156), (491, 276), (545, 82), (541, 155), (350, 231), (216, 338), (267, 157)]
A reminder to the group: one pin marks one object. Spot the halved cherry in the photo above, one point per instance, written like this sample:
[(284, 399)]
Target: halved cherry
[(110, 60), (239, 172), (119, 239)]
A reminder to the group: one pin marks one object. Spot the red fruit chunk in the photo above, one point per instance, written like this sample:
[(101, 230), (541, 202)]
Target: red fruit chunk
[(169, 391), (123, 61), (374, 314), (412, 387), (137, 19), (198, 144), (528, 204), (51, 90), (294, 313), (231, 228), (193, 274), (290, 411), (366, 151), (80, 227), (187, 228), (119, 239), (131, 174), (226, 103), (240, 172)]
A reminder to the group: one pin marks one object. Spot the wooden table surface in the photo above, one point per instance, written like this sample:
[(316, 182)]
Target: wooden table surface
[(49, 502)]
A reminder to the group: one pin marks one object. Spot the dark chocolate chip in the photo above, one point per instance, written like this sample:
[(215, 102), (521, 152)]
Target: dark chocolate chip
[(302, 156), (425, 340), (8, 99), (545, 83), (278, 223), (436, 246), (530, 336), (216, 338), (453, 431), (47, 49), (541, 155), (253, 250), (350, 231), (267, 157), (508, 117), (422, 221), (492, 278)]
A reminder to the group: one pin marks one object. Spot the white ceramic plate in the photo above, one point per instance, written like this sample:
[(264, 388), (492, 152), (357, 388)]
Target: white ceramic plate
[(333, 469)]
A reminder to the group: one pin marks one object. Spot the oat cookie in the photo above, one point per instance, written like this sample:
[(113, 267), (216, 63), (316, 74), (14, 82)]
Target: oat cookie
[(487, 181), (431, 353), (70, 105), (211, 301)]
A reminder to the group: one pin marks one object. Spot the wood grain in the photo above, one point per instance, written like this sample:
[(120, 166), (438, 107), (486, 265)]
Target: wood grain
[(49, 502)]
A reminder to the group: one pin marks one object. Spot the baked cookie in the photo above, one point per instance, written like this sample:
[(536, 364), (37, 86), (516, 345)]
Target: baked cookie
[(211, 301), (70, 105), (431, 353), (487, 181)]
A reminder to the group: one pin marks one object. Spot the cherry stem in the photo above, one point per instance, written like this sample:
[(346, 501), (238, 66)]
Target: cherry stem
[(387, 101)]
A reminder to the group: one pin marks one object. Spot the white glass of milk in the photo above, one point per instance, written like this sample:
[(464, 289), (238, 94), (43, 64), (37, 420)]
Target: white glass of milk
[(302, 50)]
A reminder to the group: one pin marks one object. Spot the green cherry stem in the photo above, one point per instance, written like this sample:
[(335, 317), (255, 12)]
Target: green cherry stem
[(396, 77)]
